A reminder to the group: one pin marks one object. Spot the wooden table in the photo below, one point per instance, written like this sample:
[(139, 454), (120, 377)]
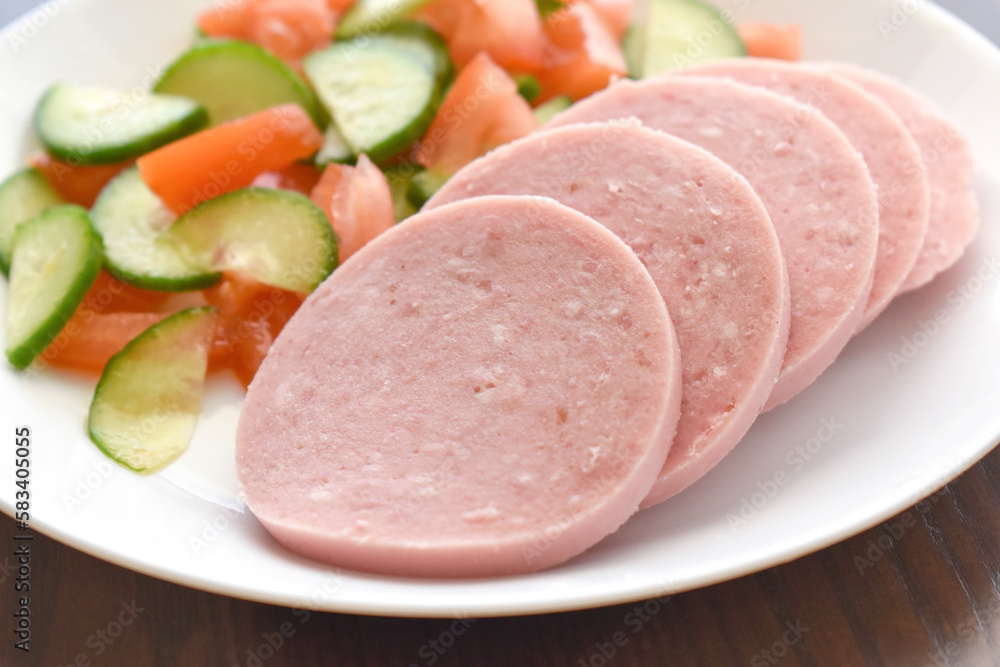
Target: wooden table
[(920, 590)]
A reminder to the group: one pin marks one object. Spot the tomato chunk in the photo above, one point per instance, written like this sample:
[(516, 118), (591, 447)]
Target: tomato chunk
[(230, 156), (252, 315), (358, 202), (76, 184), (289, 29), (582, 55), (510, 31), (91, 338), (772, 40), (481, 111), (615, 14), (299, 177)]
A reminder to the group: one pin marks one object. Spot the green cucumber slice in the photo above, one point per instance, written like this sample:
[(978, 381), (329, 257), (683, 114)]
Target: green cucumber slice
[(528, 87), (679, 33), (548, 7), (399, 178), (423, 185), (381, 97), (233, 79), (91, 125), (148, 399), (279, 237), (371, 16), (132, 221), (335, 148), (546, 112), (425, 44), (56, 258), (23, 195)]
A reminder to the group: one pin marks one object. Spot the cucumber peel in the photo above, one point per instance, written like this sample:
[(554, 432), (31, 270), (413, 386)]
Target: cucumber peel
[(148, 399), (369, 16), (278, 237), (23, 195), (381, 97), (232, 79), (133, 221), (56, 258), (546, 112), (679, 33), (423, 185), (399, 178), (91, 125)]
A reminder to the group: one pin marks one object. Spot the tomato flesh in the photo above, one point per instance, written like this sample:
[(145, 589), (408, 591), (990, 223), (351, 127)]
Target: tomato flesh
[(583, 55), (482, 110), (77, 184), (229, 156), (358, 202)]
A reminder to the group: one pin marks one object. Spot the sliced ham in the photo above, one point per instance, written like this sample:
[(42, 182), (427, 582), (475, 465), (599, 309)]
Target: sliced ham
[(813, 183), (892, 156), (706, 240), (487, 389), (954, 211)]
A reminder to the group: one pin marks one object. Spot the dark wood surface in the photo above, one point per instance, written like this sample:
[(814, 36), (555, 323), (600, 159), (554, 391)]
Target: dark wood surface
[(921, 590)]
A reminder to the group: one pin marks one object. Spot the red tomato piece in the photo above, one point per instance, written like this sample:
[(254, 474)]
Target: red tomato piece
[(229, 156), (615, 14), (289, 29), (510, 31), (772, 40), (110, 295), (482, 110), (299, 177), (582, 56), (91, 338), (251, 315), (358, 202), (77, 184), (442, 16)]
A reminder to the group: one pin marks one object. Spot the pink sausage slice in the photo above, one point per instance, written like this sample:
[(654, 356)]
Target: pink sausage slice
[(706, 240), (813, 183), (889, 150), (487, 389), (954, 210)]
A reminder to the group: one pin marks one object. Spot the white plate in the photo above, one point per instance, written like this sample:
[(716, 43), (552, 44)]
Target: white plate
[(868, 440)]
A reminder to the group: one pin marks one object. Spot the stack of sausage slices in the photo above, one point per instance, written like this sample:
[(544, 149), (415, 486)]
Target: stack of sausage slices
[(584, 322)]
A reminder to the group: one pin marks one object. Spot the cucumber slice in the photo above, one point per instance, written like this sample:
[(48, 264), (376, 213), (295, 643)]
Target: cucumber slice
[(528, 87), (335, 148), (371, 16), (56, 258), (548, 7), (233, 79), (425, 45), (132, 221), (22, 196), (550, 109), (148, 399), (679, 33), (381, 97), (423, 185), (277, 236), (90, 125), (399, 179)]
